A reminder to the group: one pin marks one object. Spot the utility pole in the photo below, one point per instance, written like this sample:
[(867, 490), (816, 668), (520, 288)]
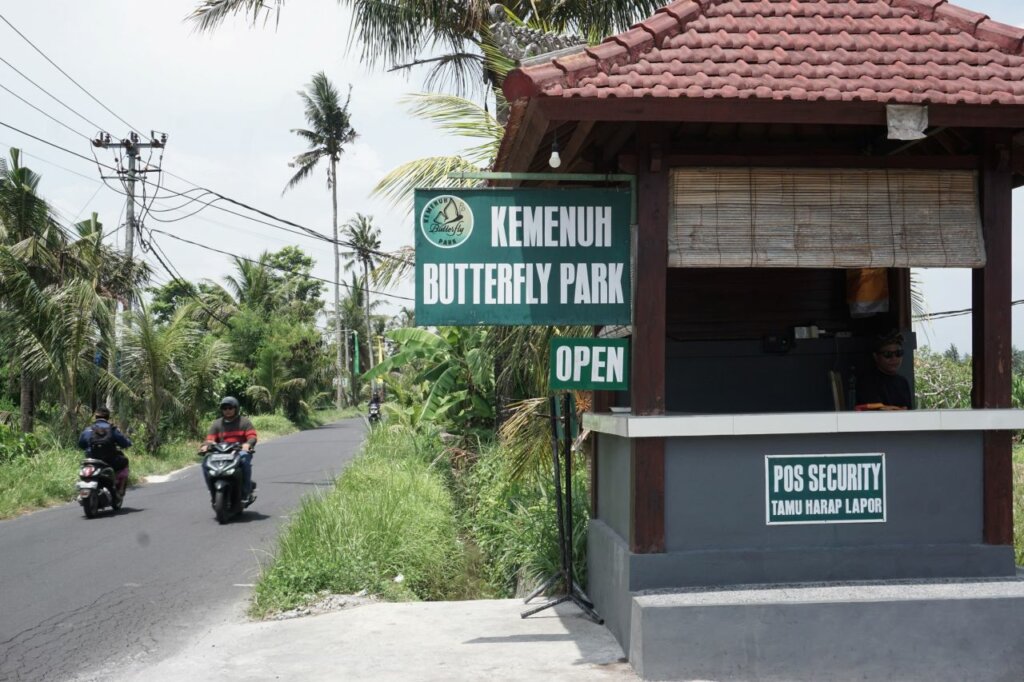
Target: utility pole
[(131, 145)]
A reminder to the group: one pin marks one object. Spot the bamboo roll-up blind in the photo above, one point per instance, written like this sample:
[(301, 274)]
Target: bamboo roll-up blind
[(824, 218)]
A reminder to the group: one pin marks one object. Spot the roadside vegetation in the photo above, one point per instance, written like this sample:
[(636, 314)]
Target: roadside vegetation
[(36, 470), (83, 325)]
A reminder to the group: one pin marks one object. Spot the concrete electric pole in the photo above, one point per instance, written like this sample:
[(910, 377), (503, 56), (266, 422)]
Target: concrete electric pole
[(131, 145)]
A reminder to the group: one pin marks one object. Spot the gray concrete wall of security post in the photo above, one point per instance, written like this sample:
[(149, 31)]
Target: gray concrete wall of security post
[(715, 518)]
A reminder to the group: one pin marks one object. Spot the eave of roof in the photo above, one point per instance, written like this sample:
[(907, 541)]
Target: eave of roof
[(659, 69)]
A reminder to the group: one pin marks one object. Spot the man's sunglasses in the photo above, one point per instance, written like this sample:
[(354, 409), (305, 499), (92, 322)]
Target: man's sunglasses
[(231, 407), (887, 354)]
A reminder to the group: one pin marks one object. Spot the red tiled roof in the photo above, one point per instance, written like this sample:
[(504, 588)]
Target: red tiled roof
[(886, 51)]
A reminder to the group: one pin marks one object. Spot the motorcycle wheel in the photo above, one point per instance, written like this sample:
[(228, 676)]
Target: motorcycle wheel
[(92, 505), (220, 506)]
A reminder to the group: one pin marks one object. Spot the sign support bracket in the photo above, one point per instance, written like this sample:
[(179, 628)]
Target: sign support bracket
[(559, 177)]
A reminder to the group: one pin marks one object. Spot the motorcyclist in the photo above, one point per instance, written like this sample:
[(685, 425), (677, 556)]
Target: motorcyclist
[(101, 440), (232, 427), (374, 407)]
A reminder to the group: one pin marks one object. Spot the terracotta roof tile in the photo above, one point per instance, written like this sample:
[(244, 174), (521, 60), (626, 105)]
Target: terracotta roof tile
[(891, 51)]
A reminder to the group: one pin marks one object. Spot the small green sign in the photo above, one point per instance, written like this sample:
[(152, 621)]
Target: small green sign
[(589, 364), (522, 256), (845, 488)]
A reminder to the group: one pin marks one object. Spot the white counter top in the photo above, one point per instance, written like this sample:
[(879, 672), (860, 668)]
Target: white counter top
[(669, 426)]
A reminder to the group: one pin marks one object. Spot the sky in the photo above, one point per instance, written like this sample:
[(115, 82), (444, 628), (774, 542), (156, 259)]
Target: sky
[(228, 100)]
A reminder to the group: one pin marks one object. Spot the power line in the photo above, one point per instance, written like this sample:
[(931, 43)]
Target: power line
[(56, 146), (945, 314), (54, 64), (221, 197), (52, 96), (178, 279), (275, 267), (55, 165), (52, 118)]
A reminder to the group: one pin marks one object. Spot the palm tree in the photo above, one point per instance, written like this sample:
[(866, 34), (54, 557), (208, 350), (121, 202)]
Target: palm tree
[(330, 130), (454, 116), (397, 34), (254, 284), (24, 219), (152, 368), (364, 239)]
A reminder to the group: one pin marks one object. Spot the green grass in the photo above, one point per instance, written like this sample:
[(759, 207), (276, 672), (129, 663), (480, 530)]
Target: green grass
[(48, 477), (391, 513)]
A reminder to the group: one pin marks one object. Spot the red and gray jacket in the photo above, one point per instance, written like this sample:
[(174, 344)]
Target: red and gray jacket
[(238, 430)]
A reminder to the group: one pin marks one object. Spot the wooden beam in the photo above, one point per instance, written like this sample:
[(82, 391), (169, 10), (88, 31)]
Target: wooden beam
[(647, 471), (530, 134), (827, 160), (900, 305), (647, 382), (991, 335), (579, 136), (720, 110)]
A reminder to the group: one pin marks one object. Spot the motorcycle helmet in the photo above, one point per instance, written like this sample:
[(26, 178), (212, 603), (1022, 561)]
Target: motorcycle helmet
[(228, 401)]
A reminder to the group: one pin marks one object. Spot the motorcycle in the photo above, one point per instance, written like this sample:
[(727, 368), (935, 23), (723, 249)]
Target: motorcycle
[(97, 487), (374, 415), (226, 479)]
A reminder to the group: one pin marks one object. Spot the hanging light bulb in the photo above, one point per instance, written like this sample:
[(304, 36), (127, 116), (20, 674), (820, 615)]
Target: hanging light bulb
[(555, 160)]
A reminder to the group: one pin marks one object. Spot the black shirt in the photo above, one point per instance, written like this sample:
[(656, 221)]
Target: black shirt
[(874, 386)]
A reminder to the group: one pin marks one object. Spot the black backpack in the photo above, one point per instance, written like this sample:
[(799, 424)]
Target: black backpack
[(101, 442)]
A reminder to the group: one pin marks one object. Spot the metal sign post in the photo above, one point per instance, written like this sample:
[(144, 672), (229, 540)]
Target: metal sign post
[(562, 422)]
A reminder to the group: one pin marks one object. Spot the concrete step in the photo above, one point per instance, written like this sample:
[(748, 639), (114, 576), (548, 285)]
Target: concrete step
[(952, 630)]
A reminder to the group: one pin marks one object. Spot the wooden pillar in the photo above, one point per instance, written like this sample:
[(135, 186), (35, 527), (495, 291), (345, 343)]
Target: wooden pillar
[(991, 335), (647, 383)]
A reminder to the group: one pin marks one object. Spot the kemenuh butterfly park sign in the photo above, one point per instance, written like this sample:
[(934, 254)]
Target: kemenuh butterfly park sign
[(522, 256)]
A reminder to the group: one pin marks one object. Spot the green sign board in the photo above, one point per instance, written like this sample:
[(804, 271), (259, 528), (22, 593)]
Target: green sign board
[(589, 364), (522, 256), (847, 488)]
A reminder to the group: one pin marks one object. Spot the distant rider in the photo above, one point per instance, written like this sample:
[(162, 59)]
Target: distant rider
[(375, 400), (101, 441), (232, 427)]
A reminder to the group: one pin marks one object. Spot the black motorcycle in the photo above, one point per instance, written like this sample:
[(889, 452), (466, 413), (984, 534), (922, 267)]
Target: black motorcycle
[(226, 480), (374, 415), (97, 487)]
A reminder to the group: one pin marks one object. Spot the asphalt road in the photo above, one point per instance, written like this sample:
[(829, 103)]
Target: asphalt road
[(79, 598)]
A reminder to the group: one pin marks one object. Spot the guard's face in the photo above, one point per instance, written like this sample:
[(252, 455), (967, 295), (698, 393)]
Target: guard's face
[(228, 411), (888, 358)]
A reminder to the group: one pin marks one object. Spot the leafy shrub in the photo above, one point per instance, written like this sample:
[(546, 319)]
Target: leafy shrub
[(942, 380), (512, 521), (14, 444)]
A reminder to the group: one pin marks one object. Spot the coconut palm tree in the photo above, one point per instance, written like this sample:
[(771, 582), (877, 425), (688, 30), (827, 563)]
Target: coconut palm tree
[(454, 116), (397, 34), (364, 239), (330, 130), (152, 366), (26, 228)]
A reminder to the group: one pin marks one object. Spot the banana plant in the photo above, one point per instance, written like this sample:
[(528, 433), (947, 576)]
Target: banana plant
[(455, 372)]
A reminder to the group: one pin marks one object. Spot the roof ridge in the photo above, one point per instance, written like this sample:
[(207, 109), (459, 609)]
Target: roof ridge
[(672, 19), (981, 26)]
